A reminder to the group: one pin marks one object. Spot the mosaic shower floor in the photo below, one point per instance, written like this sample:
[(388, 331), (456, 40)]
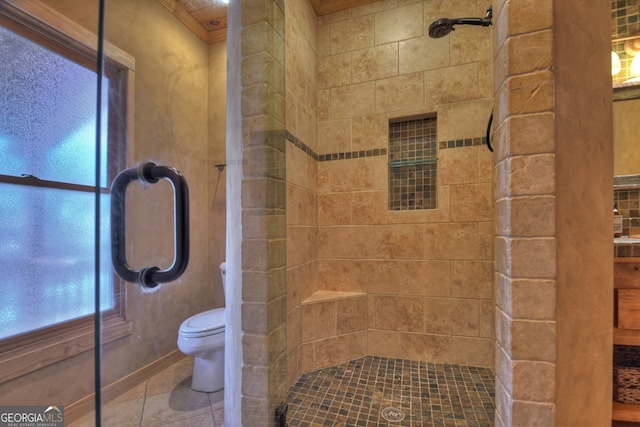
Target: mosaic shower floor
[(379, 391)]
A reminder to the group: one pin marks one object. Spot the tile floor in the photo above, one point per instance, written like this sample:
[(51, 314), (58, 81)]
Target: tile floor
[(165, 400), (355, 393), (352, 394)]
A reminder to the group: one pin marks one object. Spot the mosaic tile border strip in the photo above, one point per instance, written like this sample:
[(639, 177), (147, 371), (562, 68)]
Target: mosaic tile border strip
[(354, 394), (468, 142), (457, 143), (301, 145)]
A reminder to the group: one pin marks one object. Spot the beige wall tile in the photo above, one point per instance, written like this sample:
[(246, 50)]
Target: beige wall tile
[(472, 351), (528, 93), (451, 241), (334, 70), (533, 216), (369, 132), (351, 315), (302, 242), (485, 164), (470, 119), (534, 258), (533, 175), (343, 275), (334, 209), (533, 340), (375, 63), (451, 316), (377, 6), (472, 279), (339, 349), (427, 347), (534, 299), (398, 313), (399, 241), (486, 326), (448, 9), (301, 206), (324, 105), (352, 242), (534, 381), (529, 16), (451, 84), (532, 133), (485, 79), (533, 413), (416, 278), (385, 343), (370, 207), (294, 329), (352, 100), (486, 240), (352, 34), (255, 318), (534, 52), (398, 93), (458, 166), (399, 24), (318, 320), (324, 250), (334, 136), (471, 202), (471, 45), (423, 53), (361, 174)]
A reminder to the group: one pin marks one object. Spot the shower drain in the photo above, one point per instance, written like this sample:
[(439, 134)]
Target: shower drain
[(392, 414)]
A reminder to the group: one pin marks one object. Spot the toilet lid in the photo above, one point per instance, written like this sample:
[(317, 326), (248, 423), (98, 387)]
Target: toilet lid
[(207, 322)]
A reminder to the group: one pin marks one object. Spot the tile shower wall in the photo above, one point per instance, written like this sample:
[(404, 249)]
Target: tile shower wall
[(363, 279)]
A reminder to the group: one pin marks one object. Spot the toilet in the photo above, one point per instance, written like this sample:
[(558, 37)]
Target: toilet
[(202, 337)]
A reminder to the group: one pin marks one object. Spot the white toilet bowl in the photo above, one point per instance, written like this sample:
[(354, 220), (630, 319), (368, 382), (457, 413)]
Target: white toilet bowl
[(202, 336)]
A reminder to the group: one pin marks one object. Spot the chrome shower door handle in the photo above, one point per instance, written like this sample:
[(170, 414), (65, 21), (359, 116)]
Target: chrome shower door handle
[(150, 277)]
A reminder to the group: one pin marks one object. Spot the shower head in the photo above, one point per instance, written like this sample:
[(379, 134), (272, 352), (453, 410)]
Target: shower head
[(441, 28), (444, 26)]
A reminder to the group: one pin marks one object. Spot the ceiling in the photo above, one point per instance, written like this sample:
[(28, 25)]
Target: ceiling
[(208, 18)]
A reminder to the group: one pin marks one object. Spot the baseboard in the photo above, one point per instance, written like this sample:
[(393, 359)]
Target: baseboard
[(86, 405)]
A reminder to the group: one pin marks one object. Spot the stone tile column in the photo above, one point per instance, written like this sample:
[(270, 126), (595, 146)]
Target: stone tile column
[(553, 191)]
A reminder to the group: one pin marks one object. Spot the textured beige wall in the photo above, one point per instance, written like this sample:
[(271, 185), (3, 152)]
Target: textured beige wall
[(626, 143), (171, 128)]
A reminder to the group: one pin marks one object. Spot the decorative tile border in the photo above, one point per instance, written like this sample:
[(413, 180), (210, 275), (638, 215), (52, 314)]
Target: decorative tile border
[(468, 142), (457, 143)]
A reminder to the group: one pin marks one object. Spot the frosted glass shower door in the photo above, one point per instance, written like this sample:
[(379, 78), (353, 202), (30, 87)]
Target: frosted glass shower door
[(161, 106)]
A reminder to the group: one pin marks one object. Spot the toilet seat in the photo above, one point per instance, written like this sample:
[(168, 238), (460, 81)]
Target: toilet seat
[(209, 322)]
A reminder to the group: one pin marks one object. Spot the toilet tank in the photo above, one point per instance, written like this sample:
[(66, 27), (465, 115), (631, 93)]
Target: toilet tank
[(223, 273)]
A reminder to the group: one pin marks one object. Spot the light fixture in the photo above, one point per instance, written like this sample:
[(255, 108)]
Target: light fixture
[(616, 66), (634, 70)]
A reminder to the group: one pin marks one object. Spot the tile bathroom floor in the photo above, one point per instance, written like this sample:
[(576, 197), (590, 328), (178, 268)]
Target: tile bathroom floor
[(356, 393), (166, 399)]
